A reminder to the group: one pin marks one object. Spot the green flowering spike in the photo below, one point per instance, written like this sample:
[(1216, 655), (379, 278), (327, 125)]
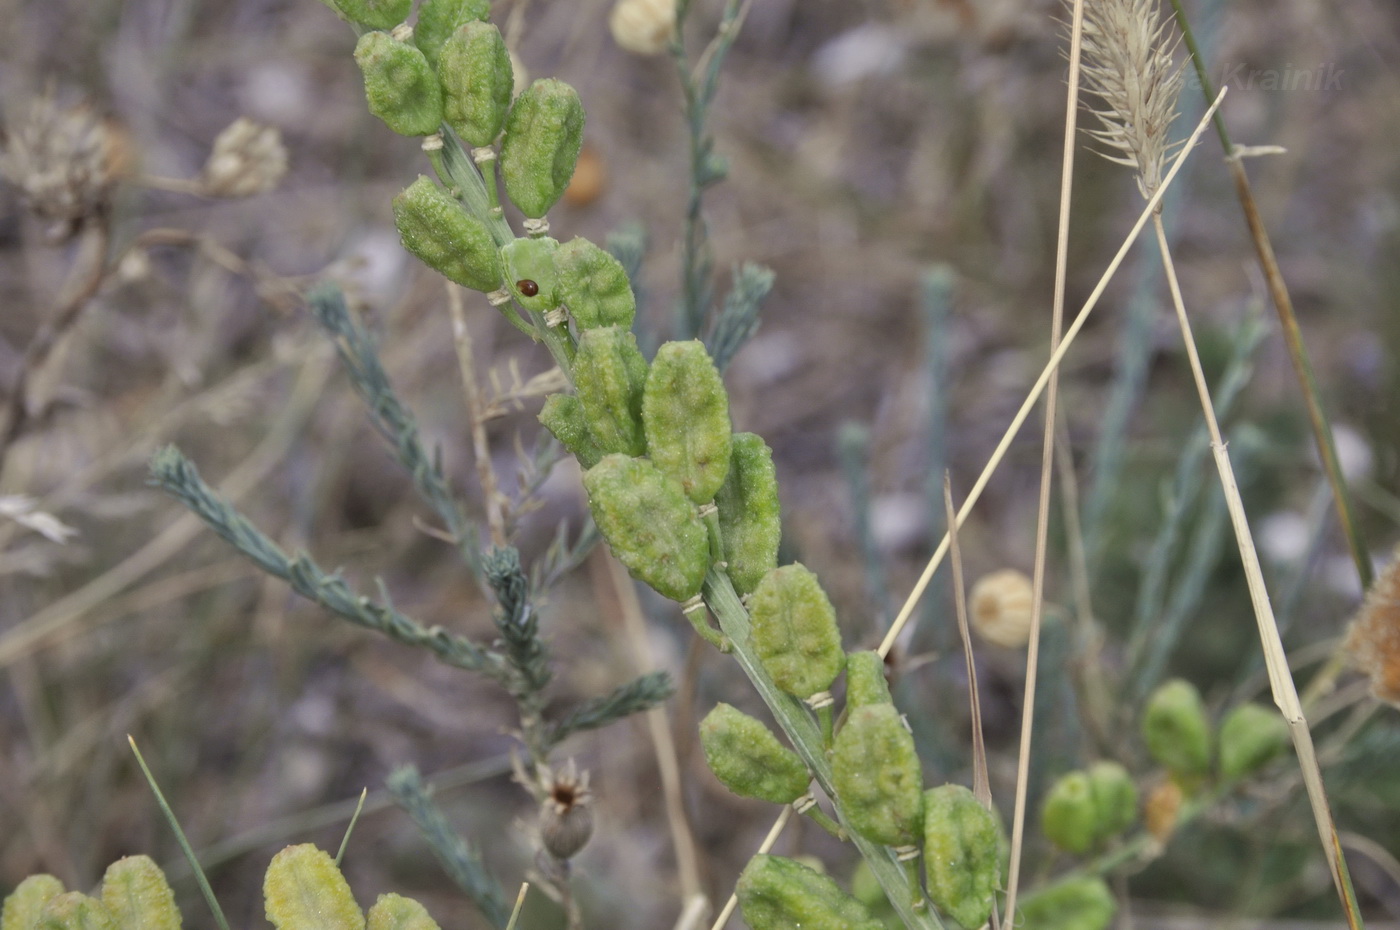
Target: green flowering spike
[(438, 19), (749, 519), (74, 910), (1176, 730), (611, 374), (1115, 798), (649, 525), (395, 912), (23, 905), (686, 414), (543, 135), (748, 759), (1081, 903), (138, 897), (445, 237), (399, 84), (794, 631), (1069, 817), (372, 14), (477, 80), (563, 416), (594, 286), (865, 680), (783, 894), (875, 770), (1251, 735), (962, 854), (529, 268), (304, 890)]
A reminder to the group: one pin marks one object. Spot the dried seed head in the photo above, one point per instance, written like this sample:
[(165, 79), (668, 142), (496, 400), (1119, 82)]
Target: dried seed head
[(566, 811), (247, 158), (1001, 608), (1373, 639), (65, 161), (1127, 62), (644, 27)]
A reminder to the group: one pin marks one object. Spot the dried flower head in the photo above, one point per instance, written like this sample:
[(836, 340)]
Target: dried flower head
[(1001, 608), (566, 811), (1373, 639), (644, 27), (247, 158), (1127, 62), (66, 161)]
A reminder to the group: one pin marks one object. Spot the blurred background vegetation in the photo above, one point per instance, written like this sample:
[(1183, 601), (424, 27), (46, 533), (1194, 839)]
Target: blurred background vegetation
[(869, 143)]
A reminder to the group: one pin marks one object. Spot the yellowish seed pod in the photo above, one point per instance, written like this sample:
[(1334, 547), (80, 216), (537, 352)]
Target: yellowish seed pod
[(643, 27), (395, 912), (135, 891), (24, 904), (1001, 608), (304, 889)]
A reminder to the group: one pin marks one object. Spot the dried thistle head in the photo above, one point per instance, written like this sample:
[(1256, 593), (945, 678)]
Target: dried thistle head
[(644, 27), (1373, 639), (247, 158), (566, 811), (66, 161), (1127, 63)]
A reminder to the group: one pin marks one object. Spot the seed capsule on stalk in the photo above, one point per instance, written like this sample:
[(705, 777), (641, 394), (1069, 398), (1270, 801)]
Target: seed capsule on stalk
[(26, 902), (1176, 730), (1251, 735), (136, 893), (749, 519), (1081, 903), (782, 894), (372, 14), (794, 631), (879, 783), (395, 912), (445, 237), (865, 680), (748, 759), (543, 134), (563, 416), (477, 80), (611, 375), (962, 854), (528, 265), (685, 412), (438, 19), (303, 887), (594, 286), (400, 86), (649, 524)]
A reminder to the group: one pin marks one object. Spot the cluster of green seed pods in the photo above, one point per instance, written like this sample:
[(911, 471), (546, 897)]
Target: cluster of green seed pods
[(748, 759), (1079, 903), (783, 894), (134, 896), (1083, 809), (1179, 736), (303, 889)]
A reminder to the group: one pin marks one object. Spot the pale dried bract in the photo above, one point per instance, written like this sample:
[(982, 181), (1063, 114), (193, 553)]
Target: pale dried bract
[(247, 158)]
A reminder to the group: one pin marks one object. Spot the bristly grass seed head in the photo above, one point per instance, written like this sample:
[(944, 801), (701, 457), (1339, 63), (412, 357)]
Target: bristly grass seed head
[(1373, 639), (1127, 62)]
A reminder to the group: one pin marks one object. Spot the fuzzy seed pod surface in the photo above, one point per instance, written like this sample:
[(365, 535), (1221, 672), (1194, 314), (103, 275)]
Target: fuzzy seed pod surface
[(438, 19), (1115, 798), (879, 782), (303, 889), (135, 891), (865, 680), (611, 375), (26, 902), (750, 518), (1176, 730), (563, 416), (1069, 818), (74, 910), (1251, 736), (794, 631), (529, 270), (782, 894), (685, 412), (372, 14), (748, 759), (594, 286), (477, 82), (400, 86), (962, 854), (445, 237), (649, 524), (1081, 903), (543, 134), (395, 912)]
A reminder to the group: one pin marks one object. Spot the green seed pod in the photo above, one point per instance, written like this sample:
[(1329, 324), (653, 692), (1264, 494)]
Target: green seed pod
[(749, 519), (477, 80), (794, 631), (962, 854), (445, 237), (304, 890), (529, 268), (748, 759), (1115, 798), (74, 910), (26, 902), (782, 894), (399, 84), (1176, 730), (1081, 903), (875, 771), (686, 414), (135, 892), (594, 286), (438, 19), (372, 14), (865, 680), (543, 135), (611, 375), (395, 912), (649, 524), (1251, 736), (1069, 817), (563, 416)]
